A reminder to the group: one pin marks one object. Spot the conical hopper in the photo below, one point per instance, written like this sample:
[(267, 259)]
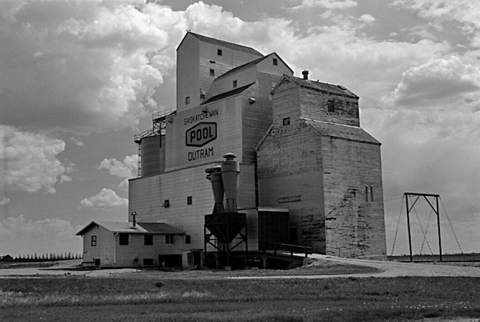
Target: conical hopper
[(226, 227)]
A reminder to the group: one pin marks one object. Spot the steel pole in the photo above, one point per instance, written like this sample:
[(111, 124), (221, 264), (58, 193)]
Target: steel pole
[(408, 226), (438, 226)]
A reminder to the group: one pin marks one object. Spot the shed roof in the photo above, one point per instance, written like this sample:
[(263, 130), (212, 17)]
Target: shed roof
[(352, 133), (223, 43), (140, 228), (317, 85), (250, 64), (227, 94)]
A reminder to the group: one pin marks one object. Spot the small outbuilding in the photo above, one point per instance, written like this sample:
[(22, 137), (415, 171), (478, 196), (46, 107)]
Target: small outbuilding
[(127, 244)]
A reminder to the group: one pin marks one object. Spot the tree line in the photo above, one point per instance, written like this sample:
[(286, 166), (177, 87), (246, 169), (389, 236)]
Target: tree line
[(41, 257)]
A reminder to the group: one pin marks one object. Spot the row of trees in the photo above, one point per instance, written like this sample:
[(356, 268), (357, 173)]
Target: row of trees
[(41, 257)]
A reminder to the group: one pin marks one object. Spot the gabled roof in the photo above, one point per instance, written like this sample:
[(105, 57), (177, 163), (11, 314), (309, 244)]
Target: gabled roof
[(250, 64), (352, 133), (160, 228), (140, 228), (223, 43), (227, 94), (316, 85)]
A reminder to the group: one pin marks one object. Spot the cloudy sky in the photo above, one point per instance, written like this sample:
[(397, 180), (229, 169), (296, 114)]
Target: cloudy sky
[(80, 78)]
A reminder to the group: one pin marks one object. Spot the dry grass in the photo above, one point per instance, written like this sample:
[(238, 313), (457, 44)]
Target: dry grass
[(175, 299)]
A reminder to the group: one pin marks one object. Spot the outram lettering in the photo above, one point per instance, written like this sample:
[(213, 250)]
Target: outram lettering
[(200, 154)]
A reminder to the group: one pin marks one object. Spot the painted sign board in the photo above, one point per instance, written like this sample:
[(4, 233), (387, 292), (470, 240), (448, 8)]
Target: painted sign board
[(201, 134), (196, 136)]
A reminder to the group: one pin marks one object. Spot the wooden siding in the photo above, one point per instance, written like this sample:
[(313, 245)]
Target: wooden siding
[(314, 105)]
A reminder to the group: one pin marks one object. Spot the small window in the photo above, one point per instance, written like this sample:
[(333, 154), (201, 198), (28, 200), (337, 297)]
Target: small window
[(366, 193), (189, 200), (188, 239), (187, 100), (371, 193), (148, 262), (286, 121), (212, 72), (331, 106), (123, 239), (219, 52), (235, 83), (169, 239), (166, 203), (275, 62), (94, 240), (148, 240)]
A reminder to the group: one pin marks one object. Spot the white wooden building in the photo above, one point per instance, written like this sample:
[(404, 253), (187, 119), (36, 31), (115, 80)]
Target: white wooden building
[(122, 244)]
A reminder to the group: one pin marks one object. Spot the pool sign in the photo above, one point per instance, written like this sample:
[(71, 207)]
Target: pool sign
[(201, 134)]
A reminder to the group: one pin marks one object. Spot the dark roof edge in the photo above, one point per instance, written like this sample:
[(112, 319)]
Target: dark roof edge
[(227, 43), (227, 94), (252, 63), (301, 82), (372, 140)]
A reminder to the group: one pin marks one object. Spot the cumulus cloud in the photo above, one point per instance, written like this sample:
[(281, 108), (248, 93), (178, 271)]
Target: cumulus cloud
[(461, 14), (106, 198), (81, 66), (327, 4), (128, 168), (123, 169), (437, 82), (463, 11), (29, 161), (51, 235), (367, 18)]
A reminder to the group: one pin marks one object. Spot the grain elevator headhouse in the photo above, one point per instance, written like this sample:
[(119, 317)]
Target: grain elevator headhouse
[(286, 157)]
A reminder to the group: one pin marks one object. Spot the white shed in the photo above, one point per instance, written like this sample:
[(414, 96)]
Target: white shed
[(124, 244)]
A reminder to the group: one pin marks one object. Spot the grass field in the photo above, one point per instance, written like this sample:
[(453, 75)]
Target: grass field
[(214, 296)]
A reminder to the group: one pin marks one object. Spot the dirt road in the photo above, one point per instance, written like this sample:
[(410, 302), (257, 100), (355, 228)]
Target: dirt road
[(386, 269)]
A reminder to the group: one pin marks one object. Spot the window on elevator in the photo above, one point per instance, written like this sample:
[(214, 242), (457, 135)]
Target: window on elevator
[(331, 106), (235, 84)]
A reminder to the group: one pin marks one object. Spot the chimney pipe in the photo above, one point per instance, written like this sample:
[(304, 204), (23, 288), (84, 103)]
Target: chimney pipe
[(134, 214), (305, 74)]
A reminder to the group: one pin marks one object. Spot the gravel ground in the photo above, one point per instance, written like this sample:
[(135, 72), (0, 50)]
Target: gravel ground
[(386, 269)]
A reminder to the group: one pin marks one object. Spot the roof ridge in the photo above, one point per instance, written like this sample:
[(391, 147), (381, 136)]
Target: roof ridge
[(317, 85), (234, 91), (226, 43)]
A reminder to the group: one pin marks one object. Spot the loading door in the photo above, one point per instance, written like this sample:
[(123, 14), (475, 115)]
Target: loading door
[(273, 228)]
